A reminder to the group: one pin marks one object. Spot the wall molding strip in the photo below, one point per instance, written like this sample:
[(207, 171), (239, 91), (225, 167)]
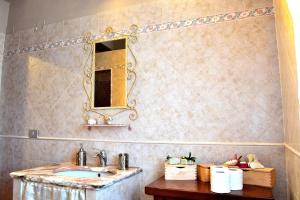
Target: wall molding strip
[(297, 153), (149, 141), (219, 18)]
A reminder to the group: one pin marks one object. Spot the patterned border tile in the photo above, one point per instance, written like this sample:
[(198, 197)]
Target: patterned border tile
[(155, 27)]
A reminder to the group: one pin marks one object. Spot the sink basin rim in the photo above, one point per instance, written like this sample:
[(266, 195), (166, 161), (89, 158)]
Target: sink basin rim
[(84, 173)]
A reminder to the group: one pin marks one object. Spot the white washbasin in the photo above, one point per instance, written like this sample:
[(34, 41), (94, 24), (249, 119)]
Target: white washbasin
[(84, 174)]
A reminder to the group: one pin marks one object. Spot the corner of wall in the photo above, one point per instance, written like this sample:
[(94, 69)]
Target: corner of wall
[(289, 73)]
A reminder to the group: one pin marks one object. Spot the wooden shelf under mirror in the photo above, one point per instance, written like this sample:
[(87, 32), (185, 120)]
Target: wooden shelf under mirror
[(106, 125)]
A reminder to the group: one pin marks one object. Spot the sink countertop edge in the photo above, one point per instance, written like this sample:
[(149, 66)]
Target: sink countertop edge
[(46, 175)]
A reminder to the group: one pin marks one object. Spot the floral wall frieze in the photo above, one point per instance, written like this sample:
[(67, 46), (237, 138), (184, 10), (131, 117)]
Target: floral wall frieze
[(232, 16)]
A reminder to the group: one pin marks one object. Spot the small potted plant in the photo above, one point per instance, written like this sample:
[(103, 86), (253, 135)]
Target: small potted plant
[(173, 160), (188, 160)]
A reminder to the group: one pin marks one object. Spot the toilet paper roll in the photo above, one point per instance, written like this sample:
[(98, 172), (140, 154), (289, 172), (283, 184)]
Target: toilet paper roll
[(214, 168), (220, 180), (217, 167), (236, 179)]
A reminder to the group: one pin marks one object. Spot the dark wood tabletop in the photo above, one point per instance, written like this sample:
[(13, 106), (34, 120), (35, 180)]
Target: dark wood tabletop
[(163, 189)]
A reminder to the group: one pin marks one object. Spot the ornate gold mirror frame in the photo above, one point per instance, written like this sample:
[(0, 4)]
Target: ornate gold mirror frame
[(108, 114)]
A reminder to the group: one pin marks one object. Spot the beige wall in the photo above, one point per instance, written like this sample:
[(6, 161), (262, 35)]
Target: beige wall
[(289, 85), (28, 13), (2, 41), (5, 148), (198, 85), (4, 10)]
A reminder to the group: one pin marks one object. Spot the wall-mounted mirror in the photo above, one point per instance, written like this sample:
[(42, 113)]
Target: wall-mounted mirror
[(110, 78), (110, 74)]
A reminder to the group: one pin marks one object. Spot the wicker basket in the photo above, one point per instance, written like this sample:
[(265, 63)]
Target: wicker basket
[(203, 171), (265, 177)]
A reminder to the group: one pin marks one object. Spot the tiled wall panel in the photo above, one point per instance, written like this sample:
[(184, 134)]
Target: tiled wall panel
[(2, 41), (32, 153), (225, 81)]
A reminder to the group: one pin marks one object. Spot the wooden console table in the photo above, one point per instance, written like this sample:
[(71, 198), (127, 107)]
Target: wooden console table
[(162, 189)]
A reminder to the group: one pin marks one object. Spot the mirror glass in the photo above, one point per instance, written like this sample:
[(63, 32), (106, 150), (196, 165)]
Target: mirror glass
[(110, 74)]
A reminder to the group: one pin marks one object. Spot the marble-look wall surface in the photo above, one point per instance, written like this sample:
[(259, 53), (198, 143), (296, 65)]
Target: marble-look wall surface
[(293, 175), (6, 165), (211, 79), (4, 11), (5, 145), (290, 101), (2, 41), (150, 157)]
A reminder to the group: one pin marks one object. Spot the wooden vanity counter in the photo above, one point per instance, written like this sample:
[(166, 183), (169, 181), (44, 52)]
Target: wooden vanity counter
[(163, 189)]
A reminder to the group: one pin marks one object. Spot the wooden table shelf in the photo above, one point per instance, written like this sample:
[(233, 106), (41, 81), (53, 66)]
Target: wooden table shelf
[(163, 189)]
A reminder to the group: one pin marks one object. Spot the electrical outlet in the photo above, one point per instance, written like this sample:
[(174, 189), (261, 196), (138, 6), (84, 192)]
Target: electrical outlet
[(33, 133)]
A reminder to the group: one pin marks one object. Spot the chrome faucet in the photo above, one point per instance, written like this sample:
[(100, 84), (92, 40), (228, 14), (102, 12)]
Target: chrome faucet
[(103, 158)]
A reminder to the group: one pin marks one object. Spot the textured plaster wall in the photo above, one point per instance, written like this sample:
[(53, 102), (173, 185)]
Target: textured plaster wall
[(26, 14), (4, 11), (289, 80), (216, 82), (2, 41), (5, 148)]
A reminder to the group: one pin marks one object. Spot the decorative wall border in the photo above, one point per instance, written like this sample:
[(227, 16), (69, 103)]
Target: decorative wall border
[(267, 11), (149, 141)]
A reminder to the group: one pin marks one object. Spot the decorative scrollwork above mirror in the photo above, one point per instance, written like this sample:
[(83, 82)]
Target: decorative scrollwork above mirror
[(109, 75)]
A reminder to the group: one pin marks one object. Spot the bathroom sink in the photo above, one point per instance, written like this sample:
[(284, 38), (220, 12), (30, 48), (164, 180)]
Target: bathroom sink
[(84, 174)]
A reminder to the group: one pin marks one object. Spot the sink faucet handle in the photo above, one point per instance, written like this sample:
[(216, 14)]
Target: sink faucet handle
[(102, 157), (102, 154)]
